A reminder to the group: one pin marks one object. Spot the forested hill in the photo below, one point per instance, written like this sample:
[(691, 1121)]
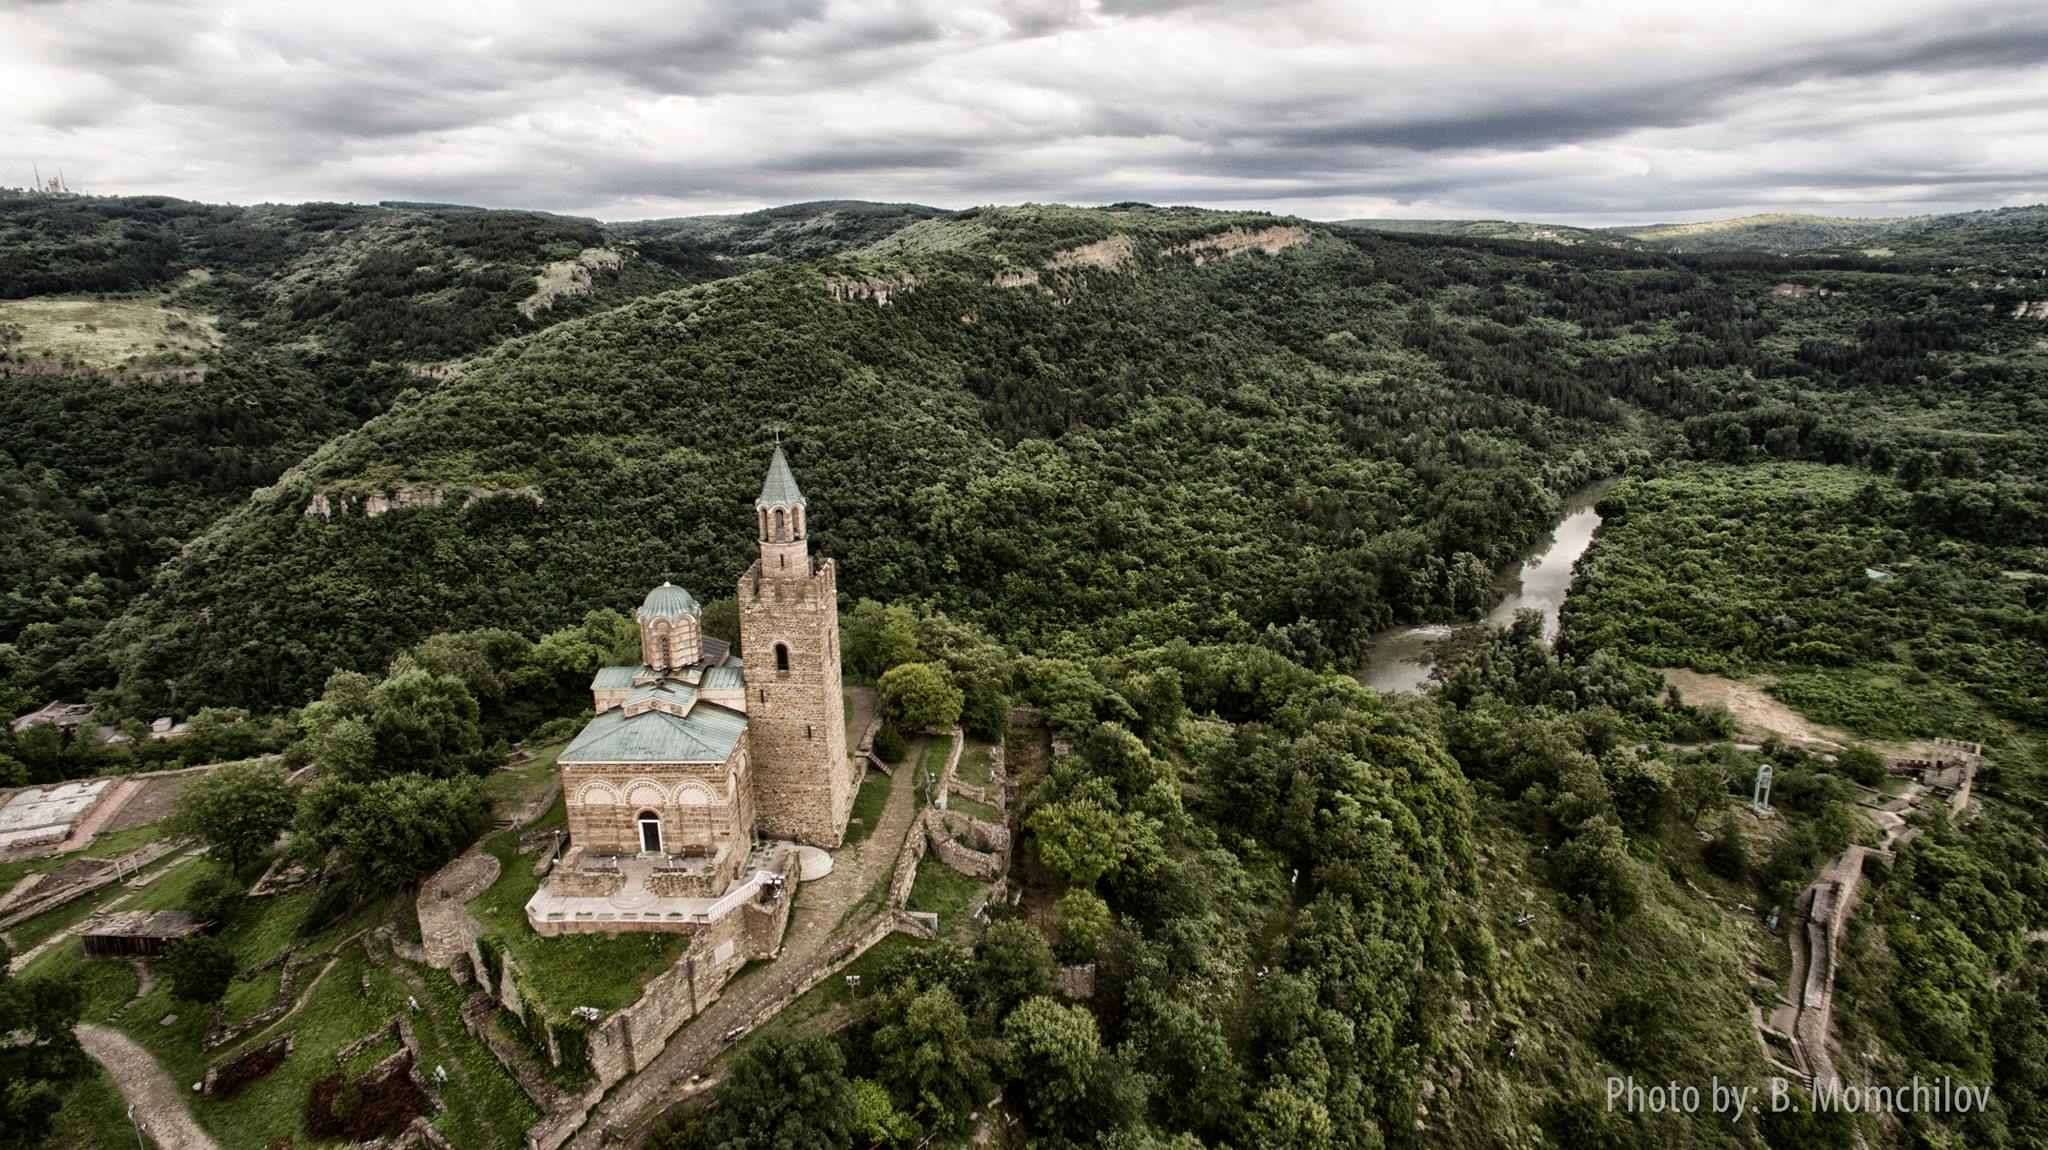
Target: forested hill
[(1082, 429), (160, 359)]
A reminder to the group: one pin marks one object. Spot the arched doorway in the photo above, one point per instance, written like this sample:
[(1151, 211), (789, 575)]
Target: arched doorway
[(650, 832)]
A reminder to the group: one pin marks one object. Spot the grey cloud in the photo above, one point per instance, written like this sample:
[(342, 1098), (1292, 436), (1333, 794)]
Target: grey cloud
[(701, 103)]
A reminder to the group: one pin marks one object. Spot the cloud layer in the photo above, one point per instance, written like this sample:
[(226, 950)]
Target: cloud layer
[(1565, 110)]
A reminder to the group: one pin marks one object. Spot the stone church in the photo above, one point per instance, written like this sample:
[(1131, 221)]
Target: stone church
[(700, 769)]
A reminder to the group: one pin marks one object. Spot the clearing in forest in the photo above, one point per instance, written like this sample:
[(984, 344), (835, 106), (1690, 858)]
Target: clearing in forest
[(104, 332), (1755, 711)]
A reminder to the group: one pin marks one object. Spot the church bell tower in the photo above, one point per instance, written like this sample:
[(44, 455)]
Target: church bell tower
[(789, 639)]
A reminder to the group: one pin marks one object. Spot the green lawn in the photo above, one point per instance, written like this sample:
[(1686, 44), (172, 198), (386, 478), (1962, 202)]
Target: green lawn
[(833, 993), (486, 1107), (94, 1117), (511, 789), (944, 891), (868, 805), (930, 756), (569, 970), (974, 808), (975, 764)]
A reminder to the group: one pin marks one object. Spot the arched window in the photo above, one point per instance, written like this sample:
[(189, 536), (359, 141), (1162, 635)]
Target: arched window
[(650, 832), (781, 526), (782, 656), (797, 520)]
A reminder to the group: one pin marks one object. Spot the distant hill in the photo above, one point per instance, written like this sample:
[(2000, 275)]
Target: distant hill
[(1783, 233), (1486, 230), (793, 231)]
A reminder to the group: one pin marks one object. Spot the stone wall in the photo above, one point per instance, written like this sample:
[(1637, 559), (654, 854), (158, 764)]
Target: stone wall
[(701, 805), (632, 1037), (796, 722), (581, 876), (990, 837), (908, 858), (970, 862)]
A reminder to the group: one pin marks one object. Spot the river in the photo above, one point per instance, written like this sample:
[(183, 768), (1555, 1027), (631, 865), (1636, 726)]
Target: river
[(1399, 658)]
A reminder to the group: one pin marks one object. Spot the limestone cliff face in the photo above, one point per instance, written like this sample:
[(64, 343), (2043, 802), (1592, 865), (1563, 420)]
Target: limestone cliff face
[(324, 505), (878, 290)]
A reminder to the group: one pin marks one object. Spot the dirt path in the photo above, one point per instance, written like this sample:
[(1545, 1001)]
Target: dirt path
[(157, 1100), (820, 906)]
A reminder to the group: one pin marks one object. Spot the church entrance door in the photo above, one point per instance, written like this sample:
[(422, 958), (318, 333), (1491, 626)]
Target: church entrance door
[(650, 832)]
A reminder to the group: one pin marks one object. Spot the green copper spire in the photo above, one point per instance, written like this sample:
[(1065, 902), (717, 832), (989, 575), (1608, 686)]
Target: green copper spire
[(780, 489)]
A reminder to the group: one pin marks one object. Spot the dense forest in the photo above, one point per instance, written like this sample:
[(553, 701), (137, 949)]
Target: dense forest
[(1160, 473)]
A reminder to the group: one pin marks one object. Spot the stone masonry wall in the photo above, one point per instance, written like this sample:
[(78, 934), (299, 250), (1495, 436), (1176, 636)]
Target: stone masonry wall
[(796, 724), (631, 1038)]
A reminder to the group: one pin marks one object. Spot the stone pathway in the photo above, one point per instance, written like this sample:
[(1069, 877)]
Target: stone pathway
[(88, 828), (1831, 898), (157, 1099), (820, 907), (447, 928)]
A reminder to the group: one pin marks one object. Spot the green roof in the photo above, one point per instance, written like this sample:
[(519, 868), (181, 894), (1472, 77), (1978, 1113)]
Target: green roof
[(706, 735), (780, 489), (716, 677), (669, 601), (618, 678)]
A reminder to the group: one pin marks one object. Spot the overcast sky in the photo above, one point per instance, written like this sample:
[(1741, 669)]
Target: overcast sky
[(1594, 111)]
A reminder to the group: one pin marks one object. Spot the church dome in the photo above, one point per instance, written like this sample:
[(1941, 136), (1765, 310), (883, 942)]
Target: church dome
[(669, 601)]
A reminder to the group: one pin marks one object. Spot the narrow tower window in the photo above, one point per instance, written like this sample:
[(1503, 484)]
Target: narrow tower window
[(781, 657), (780, 531)]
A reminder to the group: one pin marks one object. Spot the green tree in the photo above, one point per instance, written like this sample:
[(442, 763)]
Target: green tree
[(920, 696), (215, 896), (876, 1118), (1083, 918), (1053, 1051), (388, 834), (238, 809), (1698, 786), (1012, 963), (875, 638), (201, 968), (1595, 864), (345, 748), (786, 1093), (929, 1054), (40, 1053), (425, 723), (1860, 764), (1080, 840)]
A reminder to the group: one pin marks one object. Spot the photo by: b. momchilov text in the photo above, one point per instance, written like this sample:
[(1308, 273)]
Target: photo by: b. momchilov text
[(1916, 1095)]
